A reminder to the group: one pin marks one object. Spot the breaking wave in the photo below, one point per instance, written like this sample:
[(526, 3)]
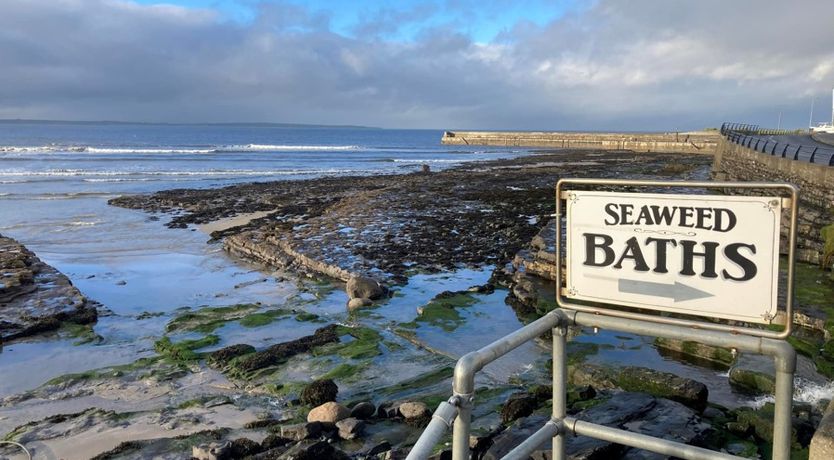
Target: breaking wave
[(58, 149)]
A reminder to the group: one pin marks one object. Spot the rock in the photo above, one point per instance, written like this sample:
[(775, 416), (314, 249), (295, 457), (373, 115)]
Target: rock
[(244, 447), (382, 447), (636, 412), (517, 406), (630, 378), (121, 283), (363, 411), (413, 409), (694, 351), (355, 303), (751, 382), (363, 287), (350, 428), (329, 412), (415, 413), (35, 297), (301, 431), (221, 357), (313, 450), (272, 441), (278, 353), (319, 392), (388, 410), (212, 451)]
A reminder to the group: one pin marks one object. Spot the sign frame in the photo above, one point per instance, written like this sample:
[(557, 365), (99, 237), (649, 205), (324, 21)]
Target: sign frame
[(790, 201)]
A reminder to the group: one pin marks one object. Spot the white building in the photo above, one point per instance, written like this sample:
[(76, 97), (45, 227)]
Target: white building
[(826, 127)]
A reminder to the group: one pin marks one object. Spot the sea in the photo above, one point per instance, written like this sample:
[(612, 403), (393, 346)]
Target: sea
[(56, 179)]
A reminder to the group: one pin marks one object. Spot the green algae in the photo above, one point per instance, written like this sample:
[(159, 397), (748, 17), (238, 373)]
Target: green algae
[(346, 372), (206, 320), (262, 318), (827, 234), (304, 317), (84, 333), (365, 344), (184, 351), (442, 311), (104, 373)]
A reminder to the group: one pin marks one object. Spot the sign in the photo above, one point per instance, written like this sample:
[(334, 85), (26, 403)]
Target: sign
[(704, 255)]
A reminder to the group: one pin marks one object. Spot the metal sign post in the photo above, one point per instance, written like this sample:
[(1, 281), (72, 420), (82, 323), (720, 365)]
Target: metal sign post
[(684, 261)]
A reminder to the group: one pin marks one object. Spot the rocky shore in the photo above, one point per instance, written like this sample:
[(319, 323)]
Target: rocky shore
[(361, 379), (34, 297)]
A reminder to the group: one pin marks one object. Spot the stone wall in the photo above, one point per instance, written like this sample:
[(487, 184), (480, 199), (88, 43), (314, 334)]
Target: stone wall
[(688, 142), (734, 162)]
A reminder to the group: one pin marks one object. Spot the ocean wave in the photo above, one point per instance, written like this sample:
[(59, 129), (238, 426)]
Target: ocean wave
[(142, 151), (431, 160), (65, 149), (210, 172), (281, 147)]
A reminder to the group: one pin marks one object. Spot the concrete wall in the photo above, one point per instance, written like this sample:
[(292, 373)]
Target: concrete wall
[(734, 162), (693, 142)]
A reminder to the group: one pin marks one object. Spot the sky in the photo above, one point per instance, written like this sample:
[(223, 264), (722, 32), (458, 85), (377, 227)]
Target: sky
[(439, 64)]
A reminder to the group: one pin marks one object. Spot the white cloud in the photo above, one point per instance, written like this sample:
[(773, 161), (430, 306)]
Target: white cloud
[(616, 65)]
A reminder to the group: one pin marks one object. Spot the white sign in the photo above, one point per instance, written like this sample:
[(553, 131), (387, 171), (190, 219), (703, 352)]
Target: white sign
[(704, 255)]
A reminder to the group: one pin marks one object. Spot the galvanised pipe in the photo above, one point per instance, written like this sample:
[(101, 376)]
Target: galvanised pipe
[(560, 386), (463, 384), (641, 441), (522, 451), (441, 420), (783, 353)]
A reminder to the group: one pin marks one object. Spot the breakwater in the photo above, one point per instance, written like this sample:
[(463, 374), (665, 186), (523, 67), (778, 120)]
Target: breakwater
[(736, 162), (703, 142)]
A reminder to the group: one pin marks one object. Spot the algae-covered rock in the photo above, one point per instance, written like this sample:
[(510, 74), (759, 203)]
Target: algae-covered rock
[(319, 392), (721, 357), (221, 357), (517, 406), (640, 379), (751, 382), (279, 353)]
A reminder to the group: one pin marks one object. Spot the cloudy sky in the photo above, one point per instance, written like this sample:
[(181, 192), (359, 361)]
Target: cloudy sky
[(511, 64)]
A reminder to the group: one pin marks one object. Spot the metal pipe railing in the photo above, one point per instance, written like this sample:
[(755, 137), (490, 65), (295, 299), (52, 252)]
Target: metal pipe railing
[(642, 441), (463, 384), (440, 422)]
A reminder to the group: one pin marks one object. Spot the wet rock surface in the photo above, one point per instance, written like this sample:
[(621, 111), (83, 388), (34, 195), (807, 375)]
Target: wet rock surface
[(386, 226), (34, 297)]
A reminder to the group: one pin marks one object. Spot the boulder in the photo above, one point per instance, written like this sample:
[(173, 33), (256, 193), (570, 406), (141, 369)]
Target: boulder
[(244, 447), (413, 409), (355, 303), (350, 428), (301, 431), (517, 406), (273, 441), (415, 413), (319, 392), (329, 412), (212, 451), (363, 287), (313, 450), (363, 411)]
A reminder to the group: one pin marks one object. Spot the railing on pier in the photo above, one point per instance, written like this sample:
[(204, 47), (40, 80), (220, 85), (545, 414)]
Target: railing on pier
[(752, 137)]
